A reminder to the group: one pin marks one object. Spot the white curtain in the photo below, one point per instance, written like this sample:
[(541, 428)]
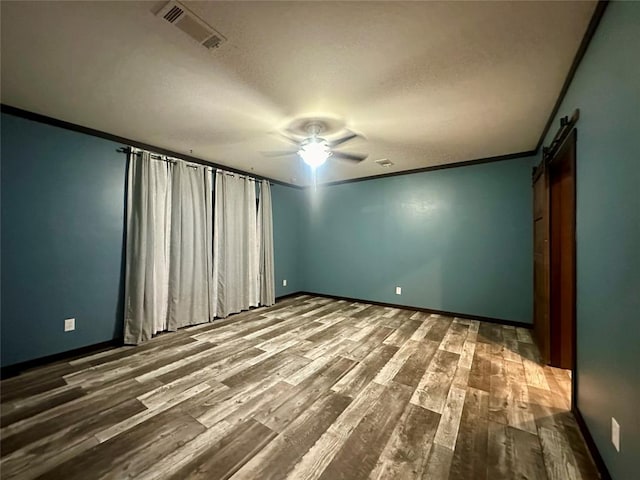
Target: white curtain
[(169, 238), (190, 279), (235, 245), (188, 259), (265, 233), (147, 255)]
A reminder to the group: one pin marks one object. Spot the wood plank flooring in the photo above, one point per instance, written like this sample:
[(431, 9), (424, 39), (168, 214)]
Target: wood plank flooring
[(311, 388)]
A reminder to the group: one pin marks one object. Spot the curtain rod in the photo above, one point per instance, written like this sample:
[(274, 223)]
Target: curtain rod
[(232, 174), (165, 158), (157, 156)]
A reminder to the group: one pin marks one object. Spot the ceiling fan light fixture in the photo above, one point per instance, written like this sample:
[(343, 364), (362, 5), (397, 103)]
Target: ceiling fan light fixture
[(314, 152)]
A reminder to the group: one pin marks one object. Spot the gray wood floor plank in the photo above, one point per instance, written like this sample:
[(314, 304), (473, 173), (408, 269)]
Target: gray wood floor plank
[(76, 411), (131, 367), (509, 396), (447, 433), (17, 413), (217, 407), (362, 349), (403, 333), (305, 394), (439, 463), (314, 462), (434, 386), (480, 373), (130, 454), (359, 454), (308, 388), (578, 447), (439, 327), (17, 390), (470, 454), (406, 453), (264, 403), (228, 455), (41, 453), (360, 376), (258, 371), (393, 366), (168, 466), (453, 340), (221, 356), (416, 365), (514, 453), (558, 456), (279, 457)]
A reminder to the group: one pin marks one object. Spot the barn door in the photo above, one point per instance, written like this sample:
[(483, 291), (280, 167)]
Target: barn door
[(562, 248), (541, 263), (554, 252)]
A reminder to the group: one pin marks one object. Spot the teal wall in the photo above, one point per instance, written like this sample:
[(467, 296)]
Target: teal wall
[(62, 237), (288, 215), (63, 208), (606, 88), (457, 239)]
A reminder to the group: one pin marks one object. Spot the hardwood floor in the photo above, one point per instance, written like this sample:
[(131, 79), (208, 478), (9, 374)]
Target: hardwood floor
[(311, 388)]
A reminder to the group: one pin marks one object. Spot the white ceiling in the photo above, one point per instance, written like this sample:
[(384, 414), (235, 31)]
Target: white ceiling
[(426, 83)]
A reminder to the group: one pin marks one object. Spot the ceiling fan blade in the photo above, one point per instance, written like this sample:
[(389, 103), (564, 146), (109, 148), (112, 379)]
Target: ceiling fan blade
[(279, 153), (288, 138), (352, 157), (285, 137), (342, 140)]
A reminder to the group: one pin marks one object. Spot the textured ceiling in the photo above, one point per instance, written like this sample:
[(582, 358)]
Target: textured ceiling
[(425, 83)]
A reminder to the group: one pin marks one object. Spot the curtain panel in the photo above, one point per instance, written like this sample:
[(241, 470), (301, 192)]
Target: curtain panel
[(235, 245), (190, 274), (168, 258), (147, 254), (193, 253), (265, 232)]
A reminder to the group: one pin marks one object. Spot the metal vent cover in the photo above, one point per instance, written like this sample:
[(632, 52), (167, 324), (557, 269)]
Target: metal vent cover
[(173, 14), (177, 14), (384, 162), (213, 41)]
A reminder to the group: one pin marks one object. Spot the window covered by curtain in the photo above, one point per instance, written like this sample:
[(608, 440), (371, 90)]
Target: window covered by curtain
[(147, 254), (236, 254), (265, 233), (168, 257), (190, 259), (190, 278)]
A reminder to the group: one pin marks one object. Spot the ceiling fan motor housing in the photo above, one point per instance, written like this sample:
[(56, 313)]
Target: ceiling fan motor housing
[(315, 128)]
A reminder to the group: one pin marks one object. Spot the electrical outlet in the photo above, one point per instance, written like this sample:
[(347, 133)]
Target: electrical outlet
[(284, 283), (69, 324), (398, 291), (615, 433)]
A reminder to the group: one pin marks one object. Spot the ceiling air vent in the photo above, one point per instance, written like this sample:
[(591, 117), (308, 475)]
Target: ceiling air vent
[(384, 162), (213, 41), (177, 14)]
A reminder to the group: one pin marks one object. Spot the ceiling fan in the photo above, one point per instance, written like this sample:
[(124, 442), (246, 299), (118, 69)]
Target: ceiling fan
[(315, 150)]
